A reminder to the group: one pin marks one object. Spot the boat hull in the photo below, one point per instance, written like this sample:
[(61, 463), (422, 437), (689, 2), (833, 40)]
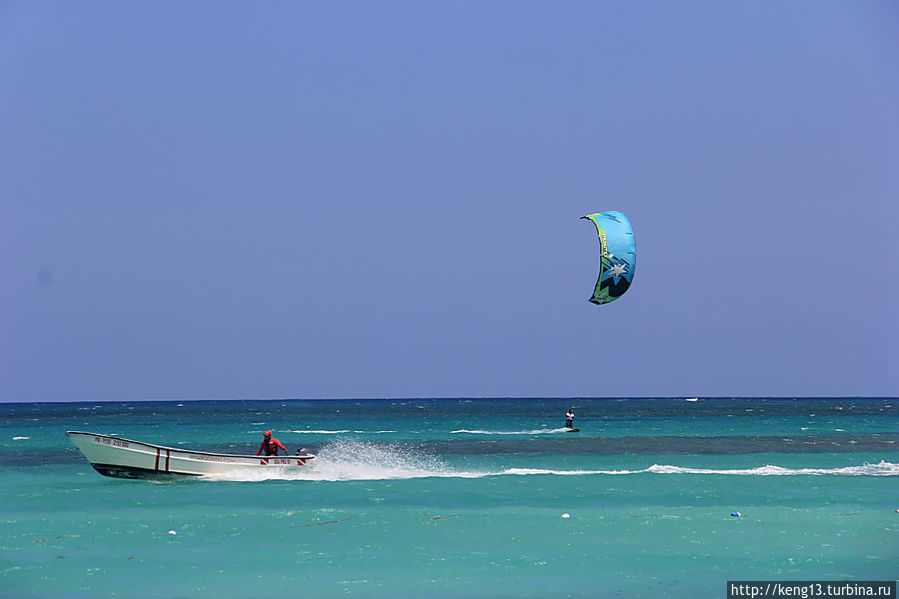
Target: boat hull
[(123, 458)]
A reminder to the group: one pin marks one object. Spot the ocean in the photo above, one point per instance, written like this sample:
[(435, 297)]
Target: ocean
[(457, 498)]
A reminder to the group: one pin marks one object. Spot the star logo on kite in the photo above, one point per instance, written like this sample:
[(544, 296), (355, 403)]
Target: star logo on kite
[(618, 270)]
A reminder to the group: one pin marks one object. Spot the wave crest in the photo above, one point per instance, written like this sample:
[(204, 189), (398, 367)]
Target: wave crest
[(881, 469)]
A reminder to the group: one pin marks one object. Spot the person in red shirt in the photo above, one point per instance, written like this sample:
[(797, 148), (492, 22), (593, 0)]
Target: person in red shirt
[(270, 445)]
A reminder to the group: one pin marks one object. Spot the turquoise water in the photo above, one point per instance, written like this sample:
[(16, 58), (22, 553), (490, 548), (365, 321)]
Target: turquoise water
[(457, 498)]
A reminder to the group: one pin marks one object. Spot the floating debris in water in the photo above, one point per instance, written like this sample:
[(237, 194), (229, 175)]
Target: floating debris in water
[(326, 522)]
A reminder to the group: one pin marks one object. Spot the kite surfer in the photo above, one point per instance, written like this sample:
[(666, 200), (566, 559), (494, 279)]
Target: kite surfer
[(270, 445), (569, 418)]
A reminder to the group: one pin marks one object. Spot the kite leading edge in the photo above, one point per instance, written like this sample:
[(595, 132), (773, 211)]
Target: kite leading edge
[(617, 255)]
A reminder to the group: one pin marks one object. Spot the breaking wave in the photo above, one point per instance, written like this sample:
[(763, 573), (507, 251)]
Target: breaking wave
[(540, 431), (880, 469)]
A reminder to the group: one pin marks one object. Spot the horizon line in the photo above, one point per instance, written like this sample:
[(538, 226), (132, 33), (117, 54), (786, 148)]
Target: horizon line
[(462, 398)]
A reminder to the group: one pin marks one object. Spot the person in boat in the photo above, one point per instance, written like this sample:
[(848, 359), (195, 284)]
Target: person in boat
[(270, 445), (569, 418)]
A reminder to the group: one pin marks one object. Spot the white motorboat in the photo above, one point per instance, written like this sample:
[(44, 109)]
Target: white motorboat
[(123, 458)]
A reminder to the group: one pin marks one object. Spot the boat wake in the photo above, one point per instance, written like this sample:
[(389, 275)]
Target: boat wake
[(360, 461)]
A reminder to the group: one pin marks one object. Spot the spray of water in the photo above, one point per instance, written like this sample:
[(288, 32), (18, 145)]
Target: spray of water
[(356, 460)]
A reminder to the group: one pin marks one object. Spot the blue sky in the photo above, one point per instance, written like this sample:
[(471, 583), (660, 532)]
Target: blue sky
[(382, 199)]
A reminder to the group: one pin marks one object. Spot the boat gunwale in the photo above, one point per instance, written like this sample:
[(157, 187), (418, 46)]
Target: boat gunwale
[(209, 453)]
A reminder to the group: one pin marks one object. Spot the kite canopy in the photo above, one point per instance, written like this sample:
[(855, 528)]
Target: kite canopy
[(617, 255)]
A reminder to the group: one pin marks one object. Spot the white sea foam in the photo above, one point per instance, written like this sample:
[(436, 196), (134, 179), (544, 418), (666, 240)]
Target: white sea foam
[(539, 431), (20, 438)]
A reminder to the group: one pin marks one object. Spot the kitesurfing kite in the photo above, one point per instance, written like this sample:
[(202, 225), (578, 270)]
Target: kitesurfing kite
[(617, 255)]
